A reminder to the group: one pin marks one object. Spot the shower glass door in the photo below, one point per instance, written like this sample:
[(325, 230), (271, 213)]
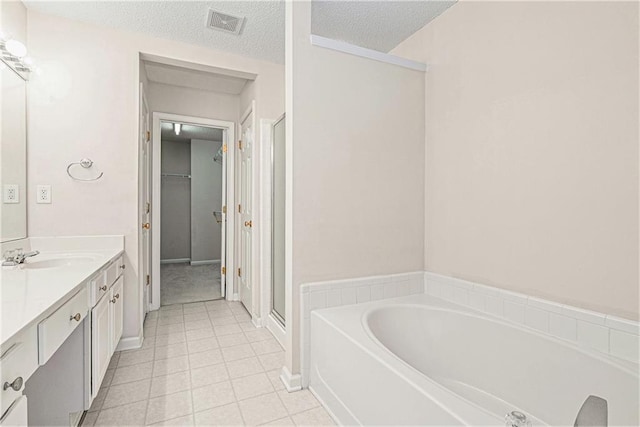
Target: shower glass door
[(277, 219)]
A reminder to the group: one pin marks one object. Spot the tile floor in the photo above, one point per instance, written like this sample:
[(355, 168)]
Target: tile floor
[(185, 283), (202, 364)]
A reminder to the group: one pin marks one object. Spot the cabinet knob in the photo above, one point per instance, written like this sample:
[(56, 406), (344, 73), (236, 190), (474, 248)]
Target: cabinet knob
[(77, 317), (16, 384), (117, 295), (122, 266), (103, 288)]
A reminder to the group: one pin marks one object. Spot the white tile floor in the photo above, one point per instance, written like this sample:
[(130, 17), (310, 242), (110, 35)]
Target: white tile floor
[(202, 364)]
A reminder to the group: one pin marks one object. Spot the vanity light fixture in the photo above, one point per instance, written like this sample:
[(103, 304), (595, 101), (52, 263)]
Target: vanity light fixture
[(14, 54), (16, 48), (176, 128)]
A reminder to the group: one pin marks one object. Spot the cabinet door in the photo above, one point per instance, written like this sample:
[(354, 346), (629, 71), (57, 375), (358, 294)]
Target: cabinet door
[(101, 347), (17, 413), (116, 312)]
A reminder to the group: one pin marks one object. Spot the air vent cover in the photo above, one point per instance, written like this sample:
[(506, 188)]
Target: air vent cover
[(224, 22)]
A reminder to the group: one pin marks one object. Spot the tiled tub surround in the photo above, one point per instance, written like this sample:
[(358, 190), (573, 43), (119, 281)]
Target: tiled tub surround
[(360, 290), (596, 331), (202, 364), (600, 332)]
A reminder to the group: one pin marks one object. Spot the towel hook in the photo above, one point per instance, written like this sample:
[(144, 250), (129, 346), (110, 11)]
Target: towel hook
[(85, 163)]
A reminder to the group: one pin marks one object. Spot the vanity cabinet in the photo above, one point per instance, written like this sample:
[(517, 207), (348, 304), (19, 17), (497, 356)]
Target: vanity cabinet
[(107, 290), (18, 361)]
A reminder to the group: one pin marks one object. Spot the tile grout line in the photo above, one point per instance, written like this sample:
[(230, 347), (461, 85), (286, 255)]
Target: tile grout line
[(193, 407)]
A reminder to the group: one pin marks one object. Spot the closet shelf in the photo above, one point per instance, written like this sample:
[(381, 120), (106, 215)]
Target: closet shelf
[(177, 175)]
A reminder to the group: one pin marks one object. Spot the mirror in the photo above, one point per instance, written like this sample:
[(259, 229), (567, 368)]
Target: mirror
[(277, 219), (13, 155)]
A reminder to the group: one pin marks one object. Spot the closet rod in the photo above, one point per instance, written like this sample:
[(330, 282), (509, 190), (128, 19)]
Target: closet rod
[(178, 175)]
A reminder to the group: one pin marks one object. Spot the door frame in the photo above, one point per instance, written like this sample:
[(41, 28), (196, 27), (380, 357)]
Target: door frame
[(229, 127)]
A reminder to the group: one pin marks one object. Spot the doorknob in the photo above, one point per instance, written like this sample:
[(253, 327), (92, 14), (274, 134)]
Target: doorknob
[(248, 224), (146, 226)]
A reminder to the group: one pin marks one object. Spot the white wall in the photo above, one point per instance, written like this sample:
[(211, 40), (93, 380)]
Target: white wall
[(206, 197), (358, 165), (85, 104), (532, 148), (192, 102)]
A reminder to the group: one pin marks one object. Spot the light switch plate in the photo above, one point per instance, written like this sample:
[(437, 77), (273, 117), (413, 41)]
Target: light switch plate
[(43, 194), (11, 193)]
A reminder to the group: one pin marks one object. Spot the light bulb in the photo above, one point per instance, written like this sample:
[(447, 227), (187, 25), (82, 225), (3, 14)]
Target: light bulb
[(176, 128), (15, 48)]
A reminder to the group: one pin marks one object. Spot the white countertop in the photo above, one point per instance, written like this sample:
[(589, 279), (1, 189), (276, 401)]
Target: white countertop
[(30, 295)]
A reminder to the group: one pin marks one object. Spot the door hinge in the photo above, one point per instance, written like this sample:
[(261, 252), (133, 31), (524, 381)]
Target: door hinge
[(240, 145), (148, 136), (239, 275), (239, 208), (148, 207), (148, 280), (224, 271), (224, 148), (224, 209)]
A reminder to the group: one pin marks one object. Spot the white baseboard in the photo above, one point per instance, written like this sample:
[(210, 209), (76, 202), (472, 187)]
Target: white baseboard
[(205, 262), (175, 261), (291, 382), (130, 343), (276, 330)]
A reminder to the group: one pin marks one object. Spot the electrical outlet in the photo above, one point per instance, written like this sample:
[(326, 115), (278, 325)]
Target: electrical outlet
[(44, 194), (11, 193)]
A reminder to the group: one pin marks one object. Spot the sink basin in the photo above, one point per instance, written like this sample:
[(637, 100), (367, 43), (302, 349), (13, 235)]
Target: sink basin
[(66, 261)]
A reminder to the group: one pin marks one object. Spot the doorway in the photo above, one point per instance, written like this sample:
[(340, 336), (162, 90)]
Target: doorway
[(190, 248), (191, 213)]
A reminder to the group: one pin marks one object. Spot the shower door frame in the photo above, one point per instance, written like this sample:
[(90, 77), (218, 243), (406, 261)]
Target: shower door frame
[(229, 220)]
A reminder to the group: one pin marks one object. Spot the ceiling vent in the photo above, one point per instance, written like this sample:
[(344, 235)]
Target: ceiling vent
[(223, 22)]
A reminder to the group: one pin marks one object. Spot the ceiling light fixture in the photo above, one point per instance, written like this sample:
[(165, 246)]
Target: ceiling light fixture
[(176, 128)]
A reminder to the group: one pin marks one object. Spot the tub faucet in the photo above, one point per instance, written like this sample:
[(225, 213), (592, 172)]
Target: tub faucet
[(594, 412), (16, 257)]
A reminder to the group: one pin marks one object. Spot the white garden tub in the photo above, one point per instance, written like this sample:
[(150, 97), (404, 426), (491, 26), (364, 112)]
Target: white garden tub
[(419, 360)]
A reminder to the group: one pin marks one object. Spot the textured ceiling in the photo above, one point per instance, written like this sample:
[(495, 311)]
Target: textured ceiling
[(379, 25), (189, 132), (262, 36), (194, 79)]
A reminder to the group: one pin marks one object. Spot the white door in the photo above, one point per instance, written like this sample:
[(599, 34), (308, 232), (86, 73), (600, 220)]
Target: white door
[(245, 210), (145, 220)]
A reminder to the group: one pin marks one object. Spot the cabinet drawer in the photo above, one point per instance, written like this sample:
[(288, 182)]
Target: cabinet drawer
[(55, 329), (113, 271), (19, 359), (98, 287)]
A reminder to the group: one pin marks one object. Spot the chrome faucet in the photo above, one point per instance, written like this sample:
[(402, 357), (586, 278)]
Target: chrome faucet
[(17, 257), (593, 412)]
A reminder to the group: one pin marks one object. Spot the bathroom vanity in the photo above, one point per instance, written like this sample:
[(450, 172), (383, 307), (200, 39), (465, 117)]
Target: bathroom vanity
[(62, 318), (61, 298)]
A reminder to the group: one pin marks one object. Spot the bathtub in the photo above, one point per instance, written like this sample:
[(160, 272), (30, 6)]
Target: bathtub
[(419, 360)]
